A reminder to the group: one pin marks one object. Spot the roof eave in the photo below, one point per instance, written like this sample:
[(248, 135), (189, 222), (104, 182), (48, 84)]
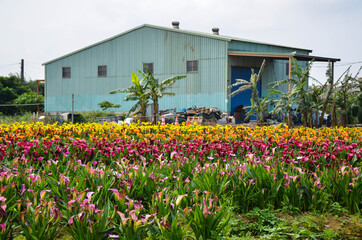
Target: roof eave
[(283, 56), (207, 35), (94, 44)]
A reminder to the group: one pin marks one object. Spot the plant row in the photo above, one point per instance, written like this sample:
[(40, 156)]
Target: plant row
[(116, 183)]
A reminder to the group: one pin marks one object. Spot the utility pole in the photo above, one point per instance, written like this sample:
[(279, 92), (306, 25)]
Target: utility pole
[(72, 108), (22, 70)]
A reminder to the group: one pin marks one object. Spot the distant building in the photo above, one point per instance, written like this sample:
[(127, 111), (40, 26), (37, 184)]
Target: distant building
[(210, 61)]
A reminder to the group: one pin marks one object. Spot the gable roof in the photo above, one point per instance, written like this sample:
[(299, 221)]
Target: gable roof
[(189, 32)]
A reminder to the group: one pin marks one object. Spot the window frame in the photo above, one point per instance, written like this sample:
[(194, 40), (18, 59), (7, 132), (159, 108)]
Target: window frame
[(147, 65), (100, 71), (65, 72), (194, 67)]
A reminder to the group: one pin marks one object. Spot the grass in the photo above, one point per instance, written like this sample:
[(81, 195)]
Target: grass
[(26, 117), (62, 236), (90, 116), (270, 224)]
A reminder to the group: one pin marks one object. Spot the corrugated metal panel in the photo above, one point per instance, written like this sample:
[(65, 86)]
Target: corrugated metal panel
[(168, 50), (259, 47), (182, 31)]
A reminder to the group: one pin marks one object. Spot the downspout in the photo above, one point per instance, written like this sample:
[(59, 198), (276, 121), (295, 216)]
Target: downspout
[(289, 89), (45, 90)]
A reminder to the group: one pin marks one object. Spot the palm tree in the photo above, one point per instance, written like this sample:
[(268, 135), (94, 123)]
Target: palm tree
[(137, 92), (257, 104), (156, 89)]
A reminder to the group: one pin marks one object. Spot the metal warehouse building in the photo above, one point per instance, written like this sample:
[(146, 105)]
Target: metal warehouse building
[(210, 61)]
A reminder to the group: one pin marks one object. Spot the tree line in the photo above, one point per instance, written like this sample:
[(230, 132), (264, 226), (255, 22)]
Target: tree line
[(15, 91)]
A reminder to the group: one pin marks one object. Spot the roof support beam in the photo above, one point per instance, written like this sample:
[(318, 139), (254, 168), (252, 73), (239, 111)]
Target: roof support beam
[(333, 71)]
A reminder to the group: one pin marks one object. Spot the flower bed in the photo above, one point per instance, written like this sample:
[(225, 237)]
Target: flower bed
[(130, 182)]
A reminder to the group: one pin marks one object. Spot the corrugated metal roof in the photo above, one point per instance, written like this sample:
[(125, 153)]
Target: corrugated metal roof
[(201, 34), (283, 56)]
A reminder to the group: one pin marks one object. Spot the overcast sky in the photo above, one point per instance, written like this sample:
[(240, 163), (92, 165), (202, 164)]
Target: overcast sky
[(41, 30)]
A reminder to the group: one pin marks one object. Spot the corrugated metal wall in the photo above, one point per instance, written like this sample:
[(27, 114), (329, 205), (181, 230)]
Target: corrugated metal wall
[(257, 47), (169, 52)]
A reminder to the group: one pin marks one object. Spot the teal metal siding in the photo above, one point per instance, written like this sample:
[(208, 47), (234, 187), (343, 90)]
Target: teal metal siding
[(257, 47), (168, 50)]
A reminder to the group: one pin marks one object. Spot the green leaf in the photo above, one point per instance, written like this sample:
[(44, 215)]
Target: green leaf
[(252, 101), (135, 79)]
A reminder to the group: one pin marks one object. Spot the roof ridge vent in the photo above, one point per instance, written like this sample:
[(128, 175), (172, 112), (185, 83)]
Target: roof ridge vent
[(175, 24), (215, 31)]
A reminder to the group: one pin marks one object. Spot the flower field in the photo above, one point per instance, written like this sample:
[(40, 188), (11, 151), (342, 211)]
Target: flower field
[(108, 181)]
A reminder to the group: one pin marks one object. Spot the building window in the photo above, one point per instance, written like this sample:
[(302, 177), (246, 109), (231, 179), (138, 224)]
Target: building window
[(149, 66), (102, 71), (66, 72), (287, 68), (192, 66)]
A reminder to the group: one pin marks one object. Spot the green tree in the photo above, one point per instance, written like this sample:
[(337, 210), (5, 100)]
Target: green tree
[(33, 86), (359, 114), (137, 92), (10, 88), (105, 105), (258, 105), (30, 98), (156, 89), (346, 96)]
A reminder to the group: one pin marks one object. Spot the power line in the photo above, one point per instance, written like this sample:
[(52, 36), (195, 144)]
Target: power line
[(6, 65), (340, 65), (325, 64), (34, 63)]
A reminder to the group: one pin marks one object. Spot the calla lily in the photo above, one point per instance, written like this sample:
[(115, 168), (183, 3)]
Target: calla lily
[(42, 193), (179, 198), (2, 228), (124, 220)]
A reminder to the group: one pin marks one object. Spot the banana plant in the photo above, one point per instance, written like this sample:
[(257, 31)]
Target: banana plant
[(258, 106), (156, 89), (259, 110), (287, 101), (346, 95), (313, 104), (299, 77), (137, 92)]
